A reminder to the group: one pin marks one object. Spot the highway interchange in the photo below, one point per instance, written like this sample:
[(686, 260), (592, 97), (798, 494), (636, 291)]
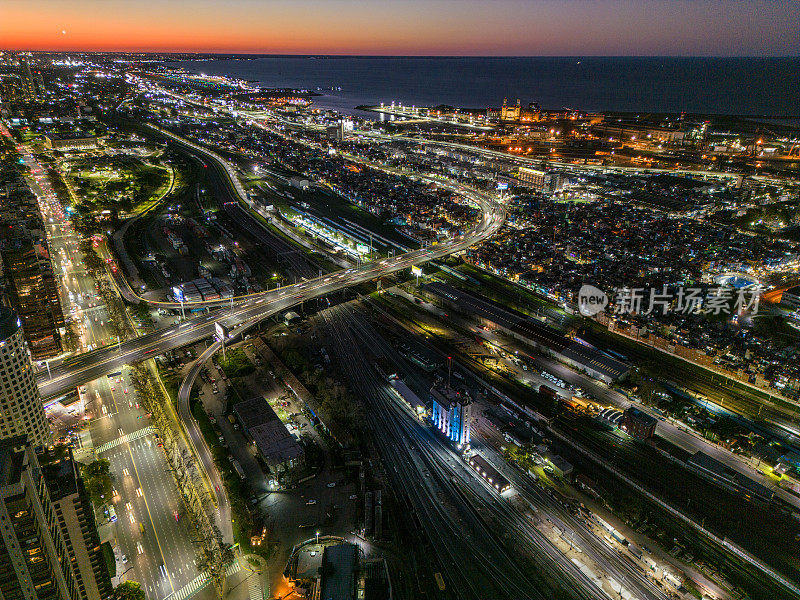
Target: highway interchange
[(508, 576), (88, 366), (257, 306), (99, 362), (159, 553)]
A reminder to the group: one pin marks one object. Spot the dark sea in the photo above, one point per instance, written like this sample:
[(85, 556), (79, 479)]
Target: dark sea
[(767, 87)]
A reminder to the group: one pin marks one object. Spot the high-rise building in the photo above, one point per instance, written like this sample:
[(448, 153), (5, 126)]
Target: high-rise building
[(451, 414), (28, 83), (75, 518), (32, 289), (542, 181), (26, 269), (50, 548), (44, 529), (21, 410), (339, 131)]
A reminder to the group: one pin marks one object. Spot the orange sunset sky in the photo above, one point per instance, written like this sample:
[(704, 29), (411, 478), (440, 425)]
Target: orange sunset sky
[(489, 27)]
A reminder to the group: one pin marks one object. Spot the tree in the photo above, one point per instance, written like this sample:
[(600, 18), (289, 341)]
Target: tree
[(97, 478), (129, 590), (93, 262)]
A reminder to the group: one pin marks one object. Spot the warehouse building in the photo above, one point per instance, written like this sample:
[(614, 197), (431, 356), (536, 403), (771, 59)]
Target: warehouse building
[(274, 443), (72, 142)]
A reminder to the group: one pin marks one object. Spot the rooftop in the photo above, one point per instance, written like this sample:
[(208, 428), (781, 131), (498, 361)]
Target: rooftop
[(61, 478), (641, 416), (11, 460), (309, 562), (69, 136), (338, 572), (446, 395), (720, 471), (273, 440)]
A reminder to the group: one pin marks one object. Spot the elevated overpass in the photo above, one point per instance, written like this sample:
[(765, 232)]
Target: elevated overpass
[(108, 359)]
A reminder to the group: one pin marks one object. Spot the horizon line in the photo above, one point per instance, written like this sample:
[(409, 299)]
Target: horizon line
[(327, 55)]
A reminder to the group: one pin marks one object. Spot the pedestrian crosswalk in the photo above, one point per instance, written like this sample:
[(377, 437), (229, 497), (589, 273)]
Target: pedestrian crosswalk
[(254, 585), (194, 586), (201, 581), (125, 438)]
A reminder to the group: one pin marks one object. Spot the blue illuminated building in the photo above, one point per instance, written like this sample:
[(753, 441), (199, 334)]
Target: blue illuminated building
[(451, 414)]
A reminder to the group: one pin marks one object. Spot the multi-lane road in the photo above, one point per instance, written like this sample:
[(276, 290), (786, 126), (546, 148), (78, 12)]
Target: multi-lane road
[(200, 447), (676, 433), (80, 301), (157, 551), (88, 366), (157, 544), (136, 505), (151, 532)]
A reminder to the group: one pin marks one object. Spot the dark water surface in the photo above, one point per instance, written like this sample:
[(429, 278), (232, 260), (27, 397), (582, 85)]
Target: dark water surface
[(743, 86)]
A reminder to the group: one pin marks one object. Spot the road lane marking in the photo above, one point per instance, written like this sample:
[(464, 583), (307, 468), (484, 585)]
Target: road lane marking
[(135, 435), (149, 514), (255, 587), (235, 314)]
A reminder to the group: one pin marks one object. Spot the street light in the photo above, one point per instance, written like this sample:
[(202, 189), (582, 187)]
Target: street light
[(318, 538)]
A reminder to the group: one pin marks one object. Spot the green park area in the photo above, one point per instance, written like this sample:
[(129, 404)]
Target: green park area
[(129, 590), (108, 558), (114, 183)]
